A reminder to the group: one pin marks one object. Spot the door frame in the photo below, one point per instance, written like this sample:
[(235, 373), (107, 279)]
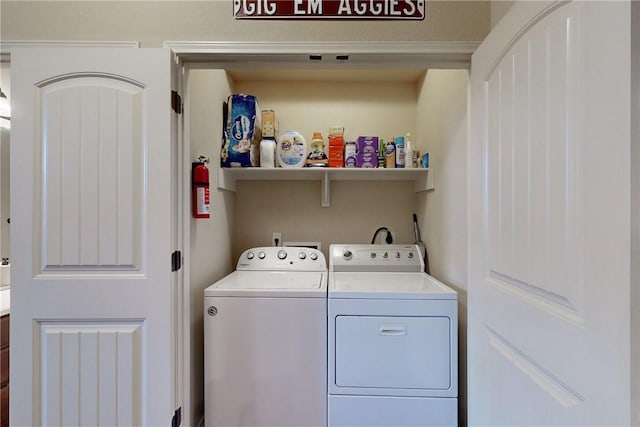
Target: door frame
[(295, 55)]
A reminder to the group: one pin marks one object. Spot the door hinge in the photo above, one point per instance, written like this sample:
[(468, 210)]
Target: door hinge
[(176, 261), (177, 418), (176, 102)]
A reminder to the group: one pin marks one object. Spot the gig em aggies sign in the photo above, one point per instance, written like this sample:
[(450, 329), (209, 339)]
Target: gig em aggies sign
[(329, 9)]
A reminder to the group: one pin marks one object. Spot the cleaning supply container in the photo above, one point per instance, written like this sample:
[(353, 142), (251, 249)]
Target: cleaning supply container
[(292, 150)]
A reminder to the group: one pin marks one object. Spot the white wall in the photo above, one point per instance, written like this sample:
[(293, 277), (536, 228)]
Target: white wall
[(442, 213), (211, 239), (152, 22), (498, 9), (293, 208)]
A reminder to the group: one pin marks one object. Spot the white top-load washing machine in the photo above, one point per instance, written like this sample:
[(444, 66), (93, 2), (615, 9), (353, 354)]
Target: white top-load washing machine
[(393, 343), (265, 334)]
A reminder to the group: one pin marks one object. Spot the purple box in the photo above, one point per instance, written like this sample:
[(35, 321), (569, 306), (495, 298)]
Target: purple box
[(367, 144), (366, 160)]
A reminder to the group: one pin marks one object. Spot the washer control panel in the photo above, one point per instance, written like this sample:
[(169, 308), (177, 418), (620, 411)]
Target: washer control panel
[(282, 258), (359, 257)]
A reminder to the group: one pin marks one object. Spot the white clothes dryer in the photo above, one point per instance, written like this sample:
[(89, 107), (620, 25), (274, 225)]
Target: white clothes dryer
[(265, 334), (393, 340)]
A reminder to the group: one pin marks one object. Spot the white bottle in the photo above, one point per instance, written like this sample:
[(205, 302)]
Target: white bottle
[(268, 153), (408, 151)]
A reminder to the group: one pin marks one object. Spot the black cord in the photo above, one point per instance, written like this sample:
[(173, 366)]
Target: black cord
[(388, 238)]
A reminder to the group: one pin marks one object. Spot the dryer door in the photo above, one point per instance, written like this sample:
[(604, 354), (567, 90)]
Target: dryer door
[(393, 352)]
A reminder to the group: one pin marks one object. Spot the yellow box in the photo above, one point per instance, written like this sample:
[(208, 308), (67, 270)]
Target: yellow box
[(269, 124)]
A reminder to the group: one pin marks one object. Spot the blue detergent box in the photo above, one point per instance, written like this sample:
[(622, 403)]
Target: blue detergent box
[(240, 131), (425, 160)]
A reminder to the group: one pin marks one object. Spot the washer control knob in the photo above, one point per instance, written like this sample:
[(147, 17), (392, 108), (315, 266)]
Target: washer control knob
[(347, 255), (372, 255), (397, 254), (410, 255), (313, 256), (282, 254), (302, 255), (261, 255), (386, 255), (249, 255)]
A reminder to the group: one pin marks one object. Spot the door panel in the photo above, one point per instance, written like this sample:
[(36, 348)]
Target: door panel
[(515, 373), (92, 373), (92, 290), (549, 218), (92, 177), (533, 164)]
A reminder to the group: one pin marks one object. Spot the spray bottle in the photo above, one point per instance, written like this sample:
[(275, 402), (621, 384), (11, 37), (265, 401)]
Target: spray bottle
[(408, 151)]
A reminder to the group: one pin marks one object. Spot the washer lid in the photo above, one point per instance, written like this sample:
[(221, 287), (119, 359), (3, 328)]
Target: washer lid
[(388, 286), (272, 284)]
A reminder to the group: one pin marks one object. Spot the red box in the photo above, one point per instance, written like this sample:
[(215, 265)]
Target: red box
[(336, 151)]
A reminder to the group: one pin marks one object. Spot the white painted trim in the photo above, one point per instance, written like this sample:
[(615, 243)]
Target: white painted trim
[(442, 54), (185, 182), (218, 47), (7, 45), (635, 213)]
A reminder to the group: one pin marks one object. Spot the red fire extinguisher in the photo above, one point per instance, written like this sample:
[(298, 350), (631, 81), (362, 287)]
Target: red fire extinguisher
[(201, 206)]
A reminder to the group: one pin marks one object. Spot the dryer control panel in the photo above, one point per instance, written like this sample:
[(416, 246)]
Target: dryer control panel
[(362, 258), (282, 258)]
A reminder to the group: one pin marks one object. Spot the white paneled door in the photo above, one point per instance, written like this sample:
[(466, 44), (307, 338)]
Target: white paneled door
[(91, 224), (549, 216)]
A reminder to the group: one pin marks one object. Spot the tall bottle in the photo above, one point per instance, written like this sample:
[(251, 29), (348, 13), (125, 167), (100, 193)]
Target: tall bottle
[(381, 153), (400, 151), (390, 154), (350, 149), (408, 151)]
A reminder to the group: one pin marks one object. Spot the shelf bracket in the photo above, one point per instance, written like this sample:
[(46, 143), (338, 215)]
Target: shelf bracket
[(226, 181), (424, 183), (326, 190)]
